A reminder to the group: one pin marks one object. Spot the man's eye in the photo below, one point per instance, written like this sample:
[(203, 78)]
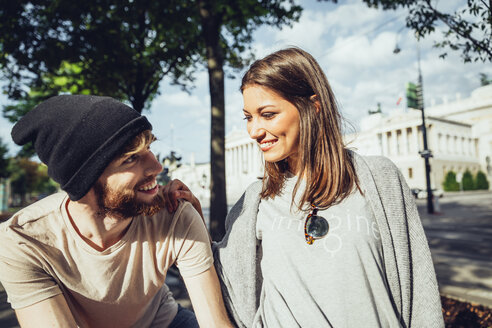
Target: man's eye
[(131, 159)]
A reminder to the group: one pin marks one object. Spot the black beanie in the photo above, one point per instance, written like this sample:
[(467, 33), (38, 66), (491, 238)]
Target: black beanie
[(77, 136)]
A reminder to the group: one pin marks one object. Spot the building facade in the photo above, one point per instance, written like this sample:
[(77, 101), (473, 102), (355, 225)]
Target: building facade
[(244, 163), (458, 134)]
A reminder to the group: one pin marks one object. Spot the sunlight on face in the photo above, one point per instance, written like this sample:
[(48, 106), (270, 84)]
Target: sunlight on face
[(273, 122)]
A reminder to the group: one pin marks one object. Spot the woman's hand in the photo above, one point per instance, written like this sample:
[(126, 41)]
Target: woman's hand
[(175, 190)]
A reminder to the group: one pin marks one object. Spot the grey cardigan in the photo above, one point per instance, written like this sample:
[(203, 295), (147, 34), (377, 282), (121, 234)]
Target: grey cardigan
[(407, 259)]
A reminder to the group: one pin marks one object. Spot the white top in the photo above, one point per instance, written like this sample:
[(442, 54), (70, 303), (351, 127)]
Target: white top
[(338, 281)]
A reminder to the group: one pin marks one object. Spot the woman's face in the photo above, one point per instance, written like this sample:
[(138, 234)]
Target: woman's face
[(273, 122)]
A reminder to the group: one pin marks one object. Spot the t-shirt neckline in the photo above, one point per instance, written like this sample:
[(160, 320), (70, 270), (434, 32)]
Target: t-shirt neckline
[(82, 243)]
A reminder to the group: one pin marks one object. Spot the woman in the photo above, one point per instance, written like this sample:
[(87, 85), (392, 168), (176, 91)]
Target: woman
[(328, 238)]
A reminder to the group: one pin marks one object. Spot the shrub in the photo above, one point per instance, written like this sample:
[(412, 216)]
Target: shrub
[(481, 181), (450, 183), (467, 181)]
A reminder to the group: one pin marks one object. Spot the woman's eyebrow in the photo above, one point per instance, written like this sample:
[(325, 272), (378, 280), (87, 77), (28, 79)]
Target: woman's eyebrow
[(259, 109)]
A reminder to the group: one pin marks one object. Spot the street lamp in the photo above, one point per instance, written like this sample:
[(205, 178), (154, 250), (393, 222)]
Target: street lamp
[(426, 153)]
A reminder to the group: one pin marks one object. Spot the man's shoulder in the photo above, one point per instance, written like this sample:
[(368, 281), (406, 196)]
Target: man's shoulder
[(30, 215), (163, 220)]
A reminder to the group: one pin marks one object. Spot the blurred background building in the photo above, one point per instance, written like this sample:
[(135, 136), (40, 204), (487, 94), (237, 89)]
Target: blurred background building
[(459, 134)]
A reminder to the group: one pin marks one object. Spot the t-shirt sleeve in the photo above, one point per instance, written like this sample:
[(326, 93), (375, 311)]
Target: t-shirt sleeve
[(22, 274), (192, 246)]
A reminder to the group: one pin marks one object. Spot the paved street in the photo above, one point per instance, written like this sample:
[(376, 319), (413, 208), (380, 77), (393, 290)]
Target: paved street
[(460, 238)]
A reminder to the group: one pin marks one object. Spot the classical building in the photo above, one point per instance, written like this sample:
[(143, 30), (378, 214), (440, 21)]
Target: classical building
[(244, 163), (459, 134)]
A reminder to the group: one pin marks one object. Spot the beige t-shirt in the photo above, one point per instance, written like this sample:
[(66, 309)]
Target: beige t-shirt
[(41, 255)]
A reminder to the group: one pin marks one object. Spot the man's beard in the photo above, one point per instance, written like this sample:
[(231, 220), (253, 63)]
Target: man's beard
[(123, 204)]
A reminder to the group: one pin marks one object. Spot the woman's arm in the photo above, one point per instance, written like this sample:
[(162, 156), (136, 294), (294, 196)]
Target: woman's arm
[(175, 190)]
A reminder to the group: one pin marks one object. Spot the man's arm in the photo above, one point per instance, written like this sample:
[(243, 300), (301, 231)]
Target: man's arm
[(206, 297), (52, 312)]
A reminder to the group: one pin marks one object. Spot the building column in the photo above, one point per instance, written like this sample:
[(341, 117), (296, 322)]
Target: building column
[(385, 143), (236, 160), (394, 143), (404, 140)]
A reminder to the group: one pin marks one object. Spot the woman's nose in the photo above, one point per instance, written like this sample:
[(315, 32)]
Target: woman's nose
[(255, 130)]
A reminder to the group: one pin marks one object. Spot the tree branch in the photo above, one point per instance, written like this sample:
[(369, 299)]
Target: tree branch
[(451, 23)]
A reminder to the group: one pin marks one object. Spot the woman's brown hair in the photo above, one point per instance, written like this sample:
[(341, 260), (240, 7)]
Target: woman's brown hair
[(324, 161)]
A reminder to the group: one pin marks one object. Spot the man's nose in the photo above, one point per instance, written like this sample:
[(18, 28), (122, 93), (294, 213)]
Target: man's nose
[(153, 167)]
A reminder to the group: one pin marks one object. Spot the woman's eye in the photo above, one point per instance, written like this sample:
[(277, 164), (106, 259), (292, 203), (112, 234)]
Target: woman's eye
[(247, 118), (268, 115)]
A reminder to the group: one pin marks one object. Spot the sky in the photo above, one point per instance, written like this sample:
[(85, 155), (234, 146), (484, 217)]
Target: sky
[(353, 44)]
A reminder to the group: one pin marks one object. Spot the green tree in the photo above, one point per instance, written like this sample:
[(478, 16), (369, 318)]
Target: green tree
[(29, 178), (4, 160), (467, 30), (484, 80), (450, 183), (123, 48), (467, 181), (126, 47), (481, 181)]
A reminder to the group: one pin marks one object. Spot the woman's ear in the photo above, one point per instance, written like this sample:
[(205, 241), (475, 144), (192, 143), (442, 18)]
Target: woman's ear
[(315, 100)]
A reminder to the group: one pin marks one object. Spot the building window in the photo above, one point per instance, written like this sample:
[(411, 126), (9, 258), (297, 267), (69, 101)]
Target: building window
[(410, 173)]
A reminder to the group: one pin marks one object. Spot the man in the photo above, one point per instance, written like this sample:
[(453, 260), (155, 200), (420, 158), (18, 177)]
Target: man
[(97, 254)]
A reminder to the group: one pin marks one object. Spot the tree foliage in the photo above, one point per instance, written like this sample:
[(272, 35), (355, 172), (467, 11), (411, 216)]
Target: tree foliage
[(468, 30), (28, 177), (484, 80), (4, 160), (123, 48)]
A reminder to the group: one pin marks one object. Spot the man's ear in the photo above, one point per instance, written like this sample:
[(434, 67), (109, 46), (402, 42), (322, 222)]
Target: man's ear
[(315, 100)]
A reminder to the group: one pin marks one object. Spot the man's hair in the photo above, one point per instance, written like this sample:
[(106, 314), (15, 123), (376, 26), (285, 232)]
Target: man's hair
[(323, 159), (137, 144)]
